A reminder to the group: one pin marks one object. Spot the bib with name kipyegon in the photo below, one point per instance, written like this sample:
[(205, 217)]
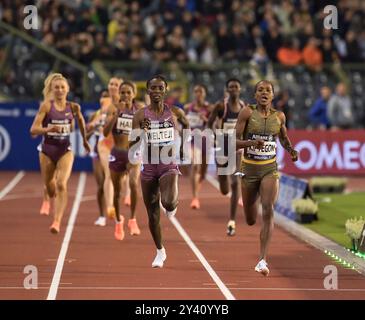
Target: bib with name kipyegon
[(266, 129)]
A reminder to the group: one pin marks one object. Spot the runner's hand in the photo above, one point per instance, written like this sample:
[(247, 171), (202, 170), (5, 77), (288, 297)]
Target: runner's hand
[(145, 124), (52, 128), (258, 143), (294, 155), (87, 147)]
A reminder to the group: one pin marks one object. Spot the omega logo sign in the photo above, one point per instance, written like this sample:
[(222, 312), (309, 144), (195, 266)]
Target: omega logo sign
[(5, 143), (348, 155)]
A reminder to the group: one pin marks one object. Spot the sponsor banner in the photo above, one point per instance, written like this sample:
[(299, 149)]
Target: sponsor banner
[(290, 188), (18, 150), (325, 153)]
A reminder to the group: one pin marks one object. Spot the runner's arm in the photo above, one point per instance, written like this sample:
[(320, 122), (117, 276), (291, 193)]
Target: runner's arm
[(76, 110), (214, 114), (37, 128), (284, 139), (111, 119), (136, 133)]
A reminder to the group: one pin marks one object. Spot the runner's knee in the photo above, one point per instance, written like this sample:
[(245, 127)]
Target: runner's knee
[(169, 203), (61, 186), (170, 206), (224, 189), (250, 221), (250, 214), (234, 184), (267, 209), (133, 183)]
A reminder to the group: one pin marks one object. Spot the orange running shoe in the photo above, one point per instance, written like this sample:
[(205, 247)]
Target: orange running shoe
[(55, 227), (127, 201), (133, 227), (119, 232), (111, 213), (195, 203), (45, 208)]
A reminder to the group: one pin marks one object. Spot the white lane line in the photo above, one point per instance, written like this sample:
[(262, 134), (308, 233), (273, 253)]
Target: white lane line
[(204, 262), (191, 288), (22, 196), (11, 184), (66, 240)]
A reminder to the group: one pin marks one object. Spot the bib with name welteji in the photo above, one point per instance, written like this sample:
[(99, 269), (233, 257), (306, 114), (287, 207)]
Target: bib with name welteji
[(161, 131)]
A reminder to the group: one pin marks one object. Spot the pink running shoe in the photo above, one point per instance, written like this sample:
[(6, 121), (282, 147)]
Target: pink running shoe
[(119, 232), (195, 203), (45, 208), (55, 227), (133, 227)]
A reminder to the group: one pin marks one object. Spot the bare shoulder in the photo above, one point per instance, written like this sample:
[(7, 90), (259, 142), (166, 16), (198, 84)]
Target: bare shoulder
[(281, 116), (210, 106), (75, 107), (245, 113), (139, 114), (177, 111), (45, 106), (187, 106), (139, 104), (219, 105)]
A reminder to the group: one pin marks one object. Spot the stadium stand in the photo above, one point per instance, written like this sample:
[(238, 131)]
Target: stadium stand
[(190, 41)]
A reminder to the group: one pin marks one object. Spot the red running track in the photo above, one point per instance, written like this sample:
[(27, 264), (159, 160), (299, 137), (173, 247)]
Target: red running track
[(98, 267)]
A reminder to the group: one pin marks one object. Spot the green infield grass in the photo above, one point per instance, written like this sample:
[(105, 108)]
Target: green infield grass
[(334, 210)]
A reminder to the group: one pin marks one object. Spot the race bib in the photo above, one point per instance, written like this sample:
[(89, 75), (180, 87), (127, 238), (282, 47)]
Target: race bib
[(161, 136), (266, 152), (161, 133), (124, 124), (64, 132)]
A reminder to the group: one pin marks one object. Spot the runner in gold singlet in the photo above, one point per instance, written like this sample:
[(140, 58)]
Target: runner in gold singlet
[(257, 128)]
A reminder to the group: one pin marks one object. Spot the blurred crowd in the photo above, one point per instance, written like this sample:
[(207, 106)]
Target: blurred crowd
[(332, 110), (290, 32)]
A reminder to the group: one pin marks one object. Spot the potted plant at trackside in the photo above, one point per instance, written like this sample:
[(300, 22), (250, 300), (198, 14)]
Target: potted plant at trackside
[(354, 229), (328, 184), (305, 209)]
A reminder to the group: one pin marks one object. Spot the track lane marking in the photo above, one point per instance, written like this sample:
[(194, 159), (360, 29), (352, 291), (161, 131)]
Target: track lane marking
[(228, 295), (11, 184), (52, 294)]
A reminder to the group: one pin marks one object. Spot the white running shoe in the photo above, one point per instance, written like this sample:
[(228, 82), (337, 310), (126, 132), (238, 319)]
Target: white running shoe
[(262, 268), (101, 221), (159, 259), (231, 228)]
